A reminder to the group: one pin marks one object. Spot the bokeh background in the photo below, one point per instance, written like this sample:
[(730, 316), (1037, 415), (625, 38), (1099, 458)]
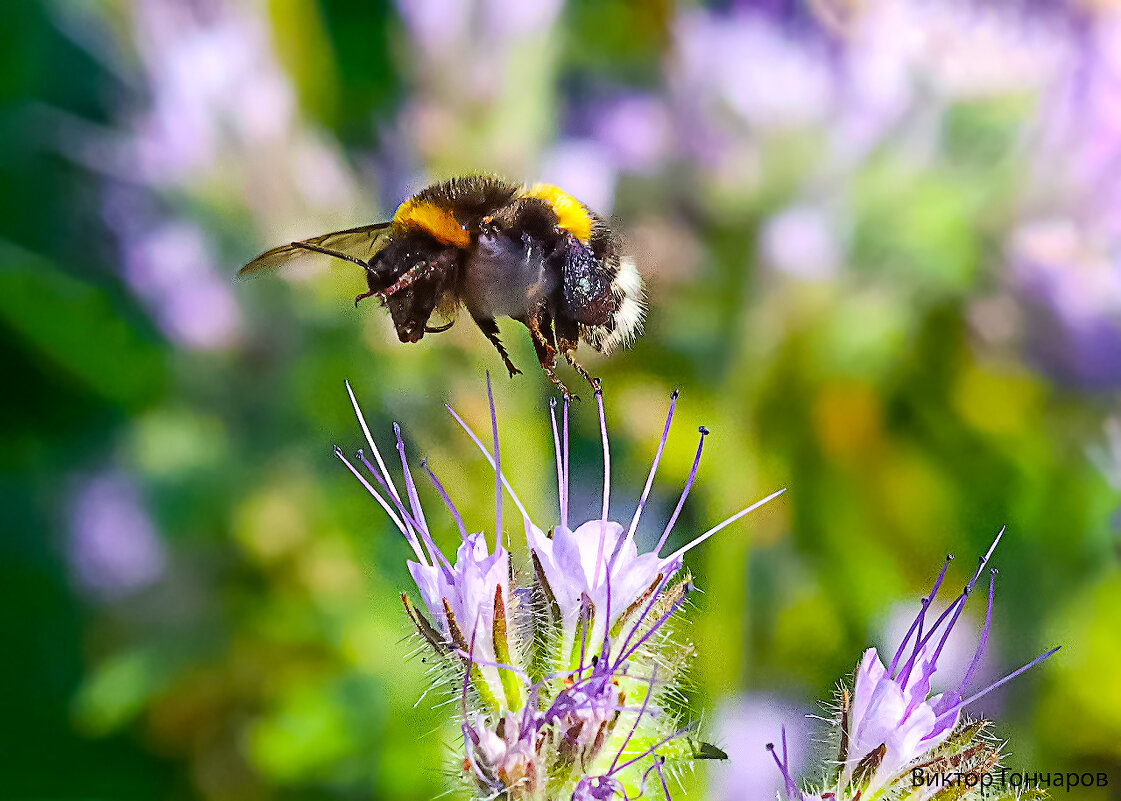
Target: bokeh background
[(882, 240)]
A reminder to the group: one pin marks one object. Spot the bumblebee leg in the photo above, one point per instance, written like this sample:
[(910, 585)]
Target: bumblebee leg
[(591, 379), (490, 329), (438, 329), (568, 336), (540, 327), (406, 280)]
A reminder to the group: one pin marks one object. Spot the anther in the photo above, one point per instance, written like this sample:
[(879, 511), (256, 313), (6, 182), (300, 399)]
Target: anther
[(675, 394), (704, 430)]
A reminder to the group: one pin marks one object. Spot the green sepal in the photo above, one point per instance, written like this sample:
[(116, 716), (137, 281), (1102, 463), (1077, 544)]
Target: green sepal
[(515, 699)]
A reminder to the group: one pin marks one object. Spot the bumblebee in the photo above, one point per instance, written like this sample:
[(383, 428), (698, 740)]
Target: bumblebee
[(535, 254)]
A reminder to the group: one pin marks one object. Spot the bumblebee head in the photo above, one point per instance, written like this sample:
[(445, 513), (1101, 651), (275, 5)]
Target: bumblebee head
[(412, 275)]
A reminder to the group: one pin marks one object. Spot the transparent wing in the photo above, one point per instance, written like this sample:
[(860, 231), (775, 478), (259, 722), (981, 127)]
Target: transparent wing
[(353, 244)]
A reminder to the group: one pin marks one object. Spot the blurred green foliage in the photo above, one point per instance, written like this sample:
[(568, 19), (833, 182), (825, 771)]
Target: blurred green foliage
[(265, 658)]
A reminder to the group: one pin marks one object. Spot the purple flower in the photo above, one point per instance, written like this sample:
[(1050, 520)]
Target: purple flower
[(466, 599), (569, 669), (597, 565), (891, 722)]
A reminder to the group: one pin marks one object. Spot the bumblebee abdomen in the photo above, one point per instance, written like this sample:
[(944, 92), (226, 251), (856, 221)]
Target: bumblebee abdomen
[(588, 298)]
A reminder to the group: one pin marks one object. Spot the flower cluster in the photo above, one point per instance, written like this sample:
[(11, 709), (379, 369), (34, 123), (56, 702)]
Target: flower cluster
[(893, 730), (565, 677)]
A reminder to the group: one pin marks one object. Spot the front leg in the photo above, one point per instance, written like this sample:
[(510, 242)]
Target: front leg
[(540, 326), (490, 329)]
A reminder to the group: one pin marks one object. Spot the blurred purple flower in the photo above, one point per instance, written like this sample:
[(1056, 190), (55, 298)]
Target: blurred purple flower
[(744, 726), (1069, 279), (114, 548), (741, 63), (1079, 154), (636, 129), (509, 19), (198, 65), (438, 24), (801, 241), (172, 268), (433, 24)]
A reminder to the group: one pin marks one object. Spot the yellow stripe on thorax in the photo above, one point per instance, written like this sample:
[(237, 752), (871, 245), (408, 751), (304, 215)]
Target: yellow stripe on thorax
[(434, 219), (571, 214)]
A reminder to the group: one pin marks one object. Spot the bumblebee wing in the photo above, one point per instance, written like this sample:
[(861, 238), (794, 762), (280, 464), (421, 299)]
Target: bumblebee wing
[(353, 244)]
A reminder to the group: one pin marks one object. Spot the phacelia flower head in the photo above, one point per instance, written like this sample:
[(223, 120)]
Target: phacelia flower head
[(891, 725), (566, 676), (594, 568)]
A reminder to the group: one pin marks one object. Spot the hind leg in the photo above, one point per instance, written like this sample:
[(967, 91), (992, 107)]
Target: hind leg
[(568, 337)]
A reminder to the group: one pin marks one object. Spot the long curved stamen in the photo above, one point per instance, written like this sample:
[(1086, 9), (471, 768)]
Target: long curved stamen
[(793, 793), (606, 649), (386, 477), (956, 608), (409, 536), (670, 612), (684, 493), (917, 624), (562, 500), (606, 486), (410, 485), (447, 500), (637, 720), (567, 493), (976, 696), (720, 526), (654, 597), (654, 466), (517, 671), (975, 665), (497, 466), (435, 554), (656, 746), (490, 459)]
